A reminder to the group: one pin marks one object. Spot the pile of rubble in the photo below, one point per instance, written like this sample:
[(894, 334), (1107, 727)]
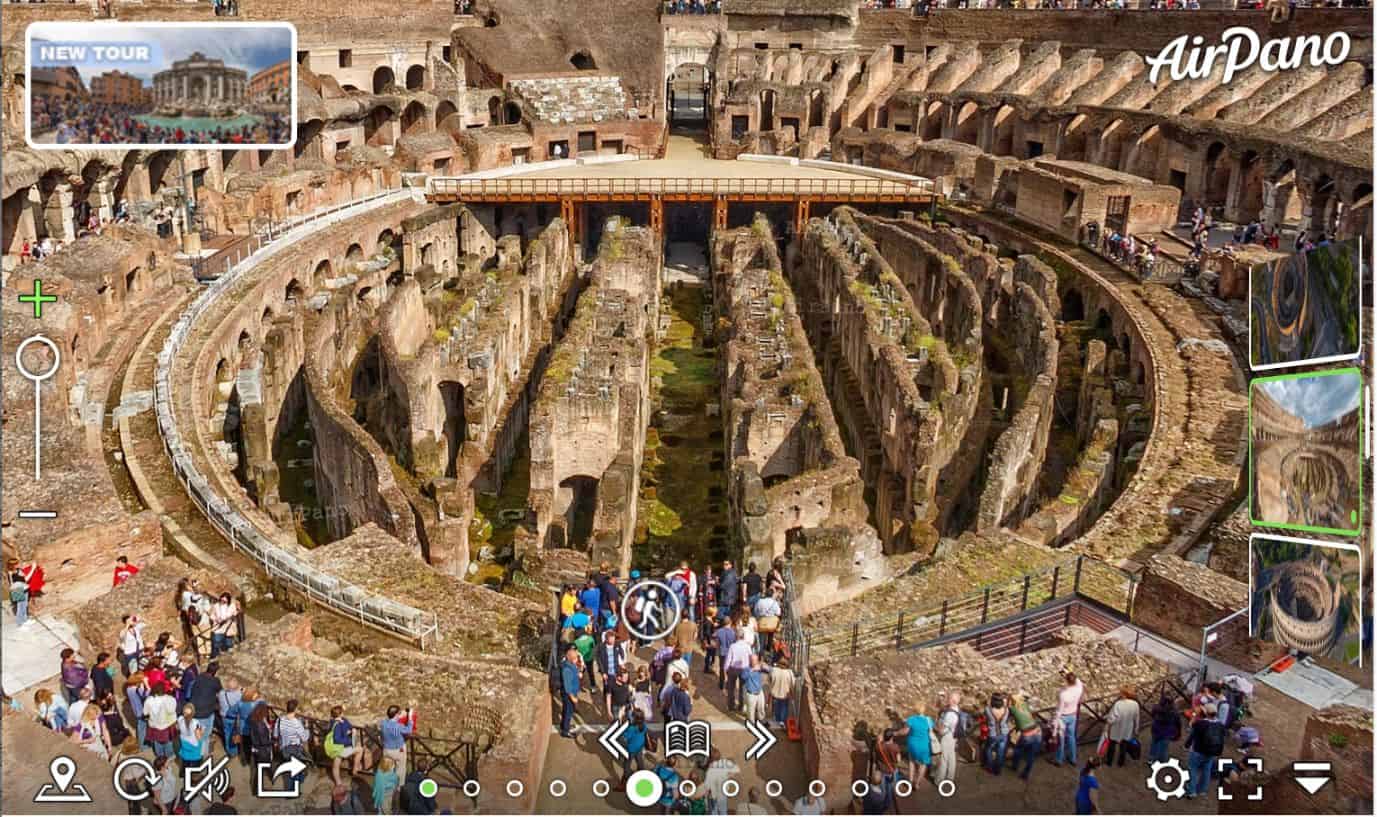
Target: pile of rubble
[(863, 688)]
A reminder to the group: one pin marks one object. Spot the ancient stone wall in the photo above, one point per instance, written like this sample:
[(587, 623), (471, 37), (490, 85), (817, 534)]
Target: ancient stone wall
[(1177, 598), (1013, 473), (792, 486), (587, 427)]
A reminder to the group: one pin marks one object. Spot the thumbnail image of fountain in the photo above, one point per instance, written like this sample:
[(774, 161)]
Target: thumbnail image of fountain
[(1304, 451), (129, 84), (1305, 596), (1306, 306)]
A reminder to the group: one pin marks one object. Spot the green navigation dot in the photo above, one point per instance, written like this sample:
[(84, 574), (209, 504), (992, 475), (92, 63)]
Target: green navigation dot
[(429, 788), (645, 788)]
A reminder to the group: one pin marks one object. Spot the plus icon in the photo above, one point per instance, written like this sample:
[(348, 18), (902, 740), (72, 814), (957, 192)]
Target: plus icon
[(37, 298)]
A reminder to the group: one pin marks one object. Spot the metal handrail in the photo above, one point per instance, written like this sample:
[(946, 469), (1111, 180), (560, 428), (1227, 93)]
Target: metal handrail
[(1081, 576), (343, 597), (518, 185)]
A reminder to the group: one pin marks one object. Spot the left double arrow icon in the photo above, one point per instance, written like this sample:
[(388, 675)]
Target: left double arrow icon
[(611, 740)]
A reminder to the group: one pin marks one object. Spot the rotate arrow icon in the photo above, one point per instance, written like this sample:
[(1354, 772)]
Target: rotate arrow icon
[(764, 739), (610, 739)]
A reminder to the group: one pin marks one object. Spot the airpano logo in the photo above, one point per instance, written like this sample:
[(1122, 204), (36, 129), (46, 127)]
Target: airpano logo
[(1241, 47)]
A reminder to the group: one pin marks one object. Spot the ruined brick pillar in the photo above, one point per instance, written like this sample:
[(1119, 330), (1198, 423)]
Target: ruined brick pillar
[(58, 213)]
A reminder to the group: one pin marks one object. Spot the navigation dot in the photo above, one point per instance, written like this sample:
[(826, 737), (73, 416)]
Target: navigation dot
[(558, 788), (817, 788), (601, 788), (774, 788), (429, 788)]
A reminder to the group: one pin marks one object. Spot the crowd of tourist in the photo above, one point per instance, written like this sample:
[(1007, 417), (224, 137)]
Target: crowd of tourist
[(165, 700), (727, 636), (74, 121)]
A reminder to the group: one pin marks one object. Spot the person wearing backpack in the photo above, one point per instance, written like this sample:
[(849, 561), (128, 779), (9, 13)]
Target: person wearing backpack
[(997, 722), (340, 746), (1206, 742), (952, 725)]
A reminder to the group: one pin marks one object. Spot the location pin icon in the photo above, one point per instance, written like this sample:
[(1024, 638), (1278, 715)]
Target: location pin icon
[(63, 770)]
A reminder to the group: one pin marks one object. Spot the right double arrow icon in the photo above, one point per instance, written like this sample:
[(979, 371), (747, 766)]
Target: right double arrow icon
[(611, 740), (764, 739)]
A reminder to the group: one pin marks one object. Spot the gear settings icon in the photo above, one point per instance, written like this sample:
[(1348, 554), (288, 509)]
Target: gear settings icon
[(1164, 772)]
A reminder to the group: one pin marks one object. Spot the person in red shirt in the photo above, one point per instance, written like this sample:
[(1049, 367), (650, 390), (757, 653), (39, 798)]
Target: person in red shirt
[(124, 571)]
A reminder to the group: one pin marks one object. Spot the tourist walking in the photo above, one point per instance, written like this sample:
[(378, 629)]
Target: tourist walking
[(728, 588), (570, 673), (394, 730), (1029, 734), (1068, 707), (781, 690), (1166, 728), (634, 739), (74, 674), (229, 699), (998, 724), (19, 598), (917, 734), (725, 636), (1087, 802), (385, 785), (191, 738), (52, 713), (294, 737), (1206, 744), (160, 710), (260, 736), (340, 745), (1122, 728), (948, 729), (130, 643), (737, 661), (205, 698), (224, 623), (720, 770), (753, 688), (124, 571)]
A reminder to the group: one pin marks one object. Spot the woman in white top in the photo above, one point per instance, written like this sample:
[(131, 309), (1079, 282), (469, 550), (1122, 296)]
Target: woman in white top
[(90, 732), (161, 711), (224, 616)]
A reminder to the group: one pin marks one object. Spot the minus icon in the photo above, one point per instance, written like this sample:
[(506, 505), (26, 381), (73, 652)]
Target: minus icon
[(38, 514)]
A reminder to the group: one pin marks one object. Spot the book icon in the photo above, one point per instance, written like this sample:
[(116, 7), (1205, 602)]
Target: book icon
[(688, 738)]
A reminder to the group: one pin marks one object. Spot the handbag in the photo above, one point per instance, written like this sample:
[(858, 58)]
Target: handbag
[(1133, 748), (1104, 745)]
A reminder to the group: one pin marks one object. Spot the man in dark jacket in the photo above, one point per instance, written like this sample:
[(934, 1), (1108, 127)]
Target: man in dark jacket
[(728, 589), (1206, 742)]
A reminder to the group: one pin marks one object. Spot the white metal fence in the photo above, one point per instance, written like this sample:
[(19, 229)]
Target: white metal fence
[(329, 591)]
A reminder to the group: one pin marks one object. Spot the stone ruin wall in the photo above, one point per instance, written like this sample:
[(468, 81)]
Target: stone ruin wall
[(1012, 476), (921, 405), (1177, 598), (779, 427), (454, 695), (590, 417), (470, 328)]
